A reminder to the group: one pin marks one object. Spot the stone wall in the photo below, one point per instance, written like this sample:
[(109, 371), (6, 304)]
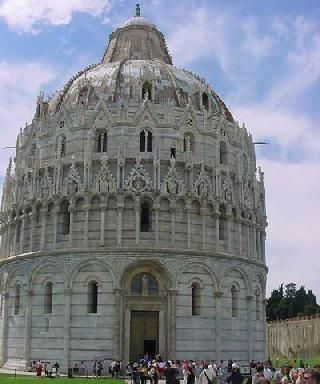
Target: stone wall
[(298, 337)]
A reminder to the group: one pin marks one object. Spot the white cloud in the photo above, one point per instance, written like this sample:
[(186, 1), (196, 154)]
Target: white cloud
[(26, 15), (20, 83), (293, 240)]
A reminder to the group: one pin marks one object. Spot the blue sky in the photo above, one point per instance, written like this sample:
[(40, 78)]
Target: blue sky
[(262, 57)]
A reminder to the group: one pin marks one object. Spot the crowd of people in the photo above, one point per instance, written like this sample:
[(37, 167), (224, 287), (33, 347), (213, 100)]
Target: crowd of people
[(45, 368), (150, 371)]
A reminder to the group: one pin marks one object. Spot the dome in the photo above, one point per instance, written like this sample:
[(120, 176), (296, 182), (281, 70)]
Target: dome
[(138, 21), (128, 62)]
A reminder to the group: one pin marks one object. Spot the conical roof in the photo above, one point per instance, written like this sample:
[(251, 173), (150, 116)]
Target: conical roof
[(136, 39)]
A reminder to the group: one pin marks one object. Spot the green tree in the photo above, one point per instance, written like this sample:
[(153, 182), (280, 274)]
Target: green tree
[(288, 303)]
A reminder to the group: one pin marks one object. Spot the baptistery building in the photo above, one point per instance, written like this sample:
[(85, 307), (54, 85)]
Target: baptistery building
[(133, 218)]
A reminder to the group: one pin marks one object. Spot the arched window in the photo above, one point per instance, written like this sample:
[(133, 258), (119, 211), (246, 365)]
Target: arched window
[(102, 141), (93, 297), (234, 301), (205, 101), (65, 218), (145, 141), (144, 284), (222, 223), (145, 217), (257, 306), (223, 153), (48, 289), (188, 142), (195, 299), (17, 294), (146, 91)]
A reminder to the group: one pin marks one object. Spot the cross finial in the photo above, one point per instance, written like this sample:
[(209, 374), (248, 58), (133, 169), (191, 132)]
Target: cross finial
[(138, 13)]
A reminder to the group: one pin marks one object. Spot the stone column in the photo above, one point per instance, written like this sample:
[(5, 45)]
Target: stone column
[(216, 215), (248, 240), (228, 219), (240, 236), (31, 218), (258, 244), (265, 334), (14, 243), (156, 209), (118, 325), (171, 329), (43, 229), (189, 226), (119, 226), (137, 209), (263, 252), (103, 224), (254, 243), (218, 296), (3, 236), (67, 322), (4, 338), (71, 211), (22, 234), (8, 248), (86, 225), (55, 226), (28, 324), (203, 214), (173, 226), (249, 327)]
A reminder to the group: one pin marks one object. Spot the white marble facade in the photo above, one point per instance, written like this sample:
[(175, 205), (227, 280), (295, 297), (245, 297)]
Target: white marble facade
[(135, 168)]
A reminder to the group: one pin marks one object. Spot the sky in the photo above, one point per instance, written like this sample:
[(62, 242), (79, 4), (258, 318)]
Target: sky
[(262, 58)]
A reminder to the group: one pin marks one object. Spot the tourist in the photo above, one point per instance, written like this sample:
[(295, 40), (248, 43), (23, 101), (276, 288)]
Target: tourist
[(267, 372), (191, 376), (144, 374), (39, 369), (312, 376), (185, 371), (170, 373), (258, 376), (235, 376), (56, 367), (197, 371), (76, 369), (286, 377), (99, 368), (154, 374), (207, 376), (82, 368)]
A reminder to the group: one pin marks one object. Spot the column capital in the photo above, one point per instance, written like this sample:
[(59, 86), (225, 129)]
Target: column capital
[(218, 294), (249, 297), (29, 292), (68, 291)]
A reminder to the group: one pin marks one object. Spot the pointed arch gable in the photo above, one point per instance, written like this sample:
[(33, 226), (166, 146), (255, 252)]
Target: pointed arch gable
[(183, 124), (146, 110), (101, 111), (63, 115)]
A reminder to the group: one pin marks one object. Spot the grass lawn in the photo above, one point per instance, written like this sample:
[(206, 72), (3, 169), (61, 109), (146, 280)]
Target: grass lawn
[(295, 362), (20, 379)]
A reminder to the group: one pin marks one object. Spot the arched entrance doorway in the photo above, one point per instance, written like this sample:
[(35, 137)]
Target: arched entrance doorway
[(147, 314)]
